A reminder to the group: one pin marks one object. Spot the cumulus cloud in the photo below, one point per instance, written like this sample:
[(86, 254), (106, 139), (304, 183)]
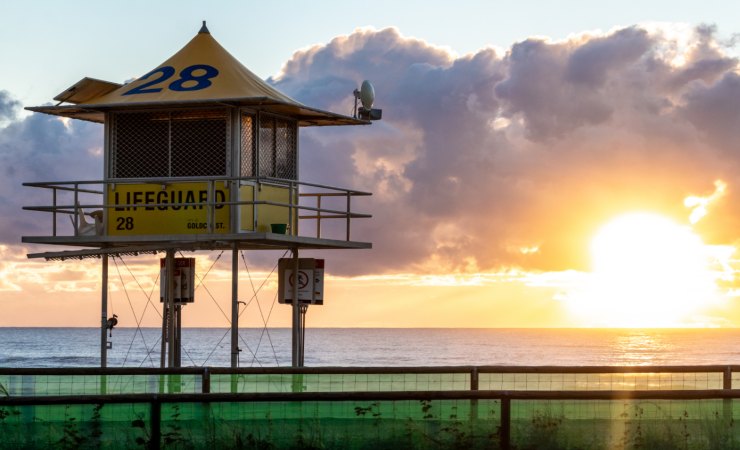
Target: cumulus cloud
[(502, 159), (8, 107), (42, 148), (486, 161)]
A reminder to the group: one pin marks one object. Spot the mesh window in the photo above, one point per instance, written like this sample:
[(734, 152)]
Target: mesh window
[(277, 155), (140, 145), (199, 143), (176, 144), (285, 150), (267, 147), (247, 146)]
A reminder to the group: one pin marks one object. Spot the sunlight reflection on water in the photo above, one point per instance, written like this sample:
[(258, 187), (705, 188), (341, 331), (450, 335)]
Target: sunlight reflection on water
[(640, 348)]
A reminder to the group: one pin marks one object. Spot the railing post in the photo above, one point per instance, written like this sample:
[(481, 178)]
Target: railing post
[(505, 429), (75, 212), (255, 197), (293, 232), (211, 208), (54, 214), (349, 196), (318, 216)]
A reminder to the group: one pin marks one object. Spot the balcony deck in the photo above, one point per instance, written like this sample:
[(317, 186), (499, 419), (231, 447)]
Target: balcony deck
[(245, 220), (97, 245)]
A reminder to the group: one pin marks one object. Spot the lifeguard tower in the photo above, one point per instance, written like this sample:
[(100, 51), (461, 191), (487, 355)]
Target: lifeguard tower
[(199, 154)]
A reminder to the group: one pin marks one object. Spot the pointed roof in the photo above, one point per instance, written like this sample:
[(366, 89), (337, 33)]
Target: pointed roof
[(201, 73)]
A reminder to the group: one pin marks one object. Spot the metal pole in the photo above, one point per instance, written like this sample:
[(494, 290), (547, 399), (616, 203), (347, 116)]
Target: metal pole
[(318, 217), (104, 314), (296, 338), (235, 307), (54, 215), (304, 309), (163, 351), (170, 270), (178, 336), (349, 215)]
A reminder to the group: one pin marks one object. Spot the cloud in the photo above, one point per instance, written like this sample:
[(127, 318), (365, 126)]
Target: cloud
[(42, 148), (493, 160), (8, 107), (487, 161)]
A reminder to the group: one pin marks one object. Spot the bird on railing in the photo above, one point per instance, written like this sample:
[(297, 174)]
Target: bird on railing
[(85, 228), (112, 322)]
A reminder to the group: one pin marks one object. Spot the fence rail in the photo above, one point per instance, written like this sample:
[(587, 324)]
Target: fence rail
[(430, 419), (80, 381)]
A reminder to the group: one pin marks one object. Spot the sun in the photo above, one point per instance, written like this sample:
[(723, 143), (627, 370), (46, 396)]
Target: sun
[(647, 271)]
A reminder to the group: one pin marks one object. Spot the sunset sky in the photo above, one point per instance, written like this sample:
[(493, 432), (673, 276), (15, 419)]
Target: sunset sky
[(539, 164)]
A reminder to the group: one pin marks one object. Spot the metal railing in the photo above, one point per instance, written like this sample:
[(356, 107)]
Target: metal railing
[(70, 381), (78, 195), (487, 418)]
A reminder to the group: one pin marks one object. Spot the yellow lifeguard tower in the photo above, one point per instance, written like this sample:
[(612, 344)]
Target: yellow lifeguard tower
[(199, 154)]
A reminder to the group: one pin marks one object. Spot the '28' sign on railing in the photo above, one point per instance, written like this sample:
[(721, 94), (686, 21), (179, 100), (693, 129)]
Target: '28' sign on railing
[(191, 78)]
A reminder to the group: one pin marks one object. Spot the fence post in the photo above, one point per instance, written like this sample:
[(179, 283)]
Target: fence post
[(505, 430), (474, 379), (206, 381), (727, 378), (727, 385), (474, 387), (156, 425)]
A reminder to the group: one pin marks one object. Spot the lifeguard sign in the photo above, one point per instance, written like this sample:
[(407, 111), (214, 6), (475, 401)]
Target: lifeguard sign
[(177, 208)]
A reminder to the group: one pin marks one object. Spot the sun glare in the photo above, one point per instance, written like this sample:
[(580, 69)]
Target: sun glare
[(647, 271)]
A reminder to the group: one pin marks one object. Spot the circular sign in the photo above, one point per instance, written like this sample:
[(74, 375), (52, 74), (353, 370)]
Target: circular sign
[(302, 279)]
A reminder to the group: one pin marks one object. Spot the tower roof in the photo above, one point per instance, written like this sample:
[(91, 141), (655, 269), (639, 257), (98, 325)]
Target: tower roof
[(201, 73)]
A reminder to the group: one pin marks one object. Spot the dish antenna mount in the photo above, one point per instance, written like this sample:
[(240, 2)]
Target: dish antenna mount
[(366, 96)]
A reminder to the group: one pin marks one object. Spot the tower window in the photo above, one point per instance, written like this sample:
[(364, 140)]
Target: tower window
[(170, 144)]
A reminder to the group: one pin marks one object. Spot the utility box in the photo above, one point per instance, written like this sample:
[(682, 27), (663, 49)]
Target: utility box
[(310, 281)]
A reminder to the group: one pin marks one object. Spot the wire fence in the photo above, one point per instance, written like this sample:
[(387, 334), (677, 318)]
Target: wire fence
[(362, 420), (43, 382)]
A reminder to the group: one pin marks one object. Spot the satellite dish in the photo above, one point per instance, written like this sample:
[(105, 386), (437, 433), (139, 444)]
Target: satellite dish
[(367, 94)]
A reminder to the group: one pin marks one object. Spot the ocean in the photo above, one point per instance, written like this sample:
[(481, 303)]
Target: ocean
[(79, 347)]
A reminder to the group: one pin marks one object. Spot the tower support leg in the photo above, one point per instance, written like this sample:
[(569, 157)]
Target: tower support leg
[(296, 329), (104, 314), (178, 336), (235, 307), (170, 301), (165, 321)]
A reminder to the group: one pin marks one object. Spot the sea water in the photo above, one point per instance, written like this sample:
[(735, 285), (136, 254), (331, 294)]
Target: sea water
[(80, 347)]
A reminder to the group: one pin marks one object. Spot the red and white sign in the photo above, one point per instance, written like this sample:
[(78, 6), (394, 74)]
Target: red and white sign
[(184, 279), (310, 281)]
